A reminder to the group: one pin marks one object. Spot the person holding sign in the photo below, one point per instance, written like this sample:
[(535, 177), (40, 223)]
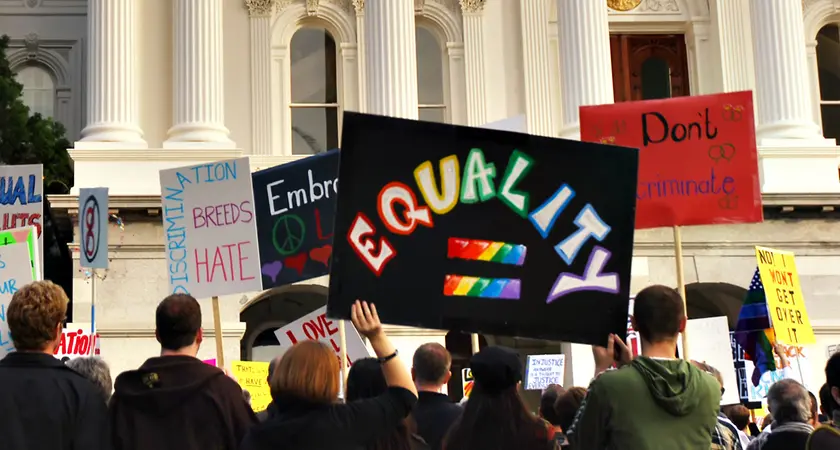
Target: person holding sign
[(305, 390), (45, 404)]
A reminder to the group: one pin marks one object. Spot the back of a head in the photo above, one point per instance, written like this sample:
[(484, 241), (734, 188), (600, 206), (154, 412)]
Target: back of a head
[(96, 370), (567, 406), (709, 370), (827, 404), (815, 412), (308, 371), (832, 379), (659, 313), (547, 400), (365, 380), (739, 415), (431, 364), (177, 321), (272, 366), (35, 315), (789, 401)]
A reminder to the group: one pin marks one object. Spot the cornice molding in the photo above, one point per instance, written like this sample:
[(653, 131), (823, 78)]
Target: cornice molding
[(233, 330), (146, 155)]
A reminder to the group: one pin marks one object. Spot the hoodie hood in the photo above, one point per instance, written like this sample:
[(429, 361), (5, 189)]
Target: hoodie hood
[(164, 383), (675, 385)]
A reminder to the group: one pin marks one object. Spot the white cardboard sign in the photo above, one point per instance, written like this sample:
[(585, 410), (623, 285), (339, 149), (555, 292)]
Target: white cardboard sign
[(210, 229), (543, 370), (93, 228), (75, 344), (315, 326), (709, 343), (15, 272), (22, 201)]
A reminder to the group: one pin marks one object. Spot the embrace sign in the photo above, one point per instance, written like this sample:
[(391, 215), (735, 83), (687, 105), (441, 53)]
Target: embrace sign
[(93, 228)]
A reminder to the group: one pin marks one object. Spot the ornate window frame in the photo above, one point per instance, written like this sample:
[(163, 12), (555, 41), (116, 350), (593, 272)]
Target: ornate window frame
[(815, 15), (447, 28)]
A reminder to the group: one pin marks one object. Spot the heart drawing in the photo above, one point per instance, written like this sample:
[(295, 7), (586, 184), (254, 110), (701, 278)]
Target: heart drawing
[(296, 262), (272, 269), (321, 254)]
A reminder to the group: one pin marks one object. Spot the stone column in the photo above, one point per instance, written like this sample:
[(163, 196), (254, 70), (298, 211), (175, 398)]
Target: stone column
[(585, 65), (198, 79), (733, 35), (390, 58), (474, 61), (112, 95), (260, 12), (782, 87), (535, 51)]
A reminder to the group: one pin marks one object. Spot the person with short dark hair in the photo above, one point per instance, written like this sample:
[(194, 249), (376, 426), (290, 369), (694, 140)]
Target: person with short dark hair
[(826, 403), (827, 436), (175, 400), (790, 405), (815, 412), (434, 412), (96, 370), (565, 409), (44, 403), (655, 400), (546, 410), (739, 415)]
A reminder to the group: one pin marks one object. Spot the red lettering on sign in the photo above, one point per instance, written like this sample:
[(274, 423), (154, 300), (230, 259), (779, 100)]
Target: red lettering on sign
[(226, 258)]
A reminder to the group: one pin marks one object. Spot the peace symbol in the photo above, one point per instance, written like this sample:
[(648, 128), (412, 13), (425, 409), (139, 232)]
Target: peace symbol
[(294, 232)]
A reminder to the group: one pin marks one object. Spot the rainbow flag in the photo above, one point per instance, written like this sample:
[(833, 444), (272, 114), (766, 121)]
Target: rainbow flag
[(754, 332)]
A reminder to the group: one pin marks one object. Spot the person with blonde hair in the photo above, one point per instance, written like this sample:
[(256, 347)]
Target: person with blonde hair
[(305, 387), (45, 404)]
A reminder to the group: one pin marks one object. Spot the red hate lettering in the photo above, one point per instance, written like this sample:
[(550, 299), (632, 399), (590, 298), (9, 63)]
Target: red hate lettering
[(359, 237), (326, 324), (225, 260), (398, 193), (318, 228)]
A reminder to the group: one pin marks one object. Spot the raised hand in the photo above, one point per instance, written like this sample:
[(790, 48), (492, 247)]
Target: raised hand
[(365, 319)]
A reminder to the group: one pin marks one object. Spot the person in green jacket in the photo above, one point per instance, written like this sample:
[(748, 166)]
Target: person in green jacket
[(654, 401)]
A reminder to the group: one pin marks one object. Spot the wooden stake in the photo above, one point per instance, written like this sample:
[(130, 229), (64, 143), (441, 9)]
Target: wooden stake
[(93, 310), (217, 326), (342, 356), (681, 285), (475, 343)]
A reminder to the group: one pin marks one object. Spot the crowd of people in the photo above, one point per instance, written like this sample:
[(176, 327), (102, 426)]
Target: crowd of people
[(175, 401)]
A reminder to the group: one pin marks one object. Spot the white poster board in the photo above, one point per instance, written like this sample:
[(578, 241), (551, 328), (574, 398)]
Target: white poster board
[(93, 228), (799, 369), (315, 326), (210, 229), (515, 124), (15, 272), (76, 343), (543, 370), (709, 343), (22, 201)]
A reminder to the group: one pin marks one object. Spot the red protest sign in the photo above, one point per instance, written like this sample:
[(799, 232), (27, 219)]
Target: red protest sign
[(698, 162)]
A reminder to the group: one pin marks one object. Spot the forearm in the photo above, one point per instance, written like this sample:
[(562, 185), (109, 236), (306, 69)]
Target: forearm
[(394, 370)]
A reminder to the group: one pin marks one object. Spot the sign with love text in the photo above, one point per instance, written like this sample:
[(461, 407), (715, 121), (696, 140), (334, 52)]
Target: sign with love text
[(315, 326), (698, 162), (785, 301), (295, 208), (479, 230), (209, 229), (21, 200), (15, 272)]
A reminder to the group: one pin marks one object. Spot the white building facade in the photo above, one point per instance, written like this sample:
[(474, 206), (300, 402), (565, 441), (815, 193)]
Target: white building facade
[(154, 84)]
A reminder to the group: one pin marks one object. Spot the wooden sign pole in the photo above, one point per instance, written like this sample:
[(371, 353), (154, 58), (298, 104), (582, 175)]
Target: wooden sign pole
[(92, 309), (342, 356), (681, 285), (475, 343), (217, 326)]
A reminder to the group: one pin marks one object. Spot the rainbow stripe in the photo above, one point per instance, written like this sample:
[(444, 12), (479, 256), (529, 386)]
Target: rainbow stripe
[(463, 286), (490, 251)]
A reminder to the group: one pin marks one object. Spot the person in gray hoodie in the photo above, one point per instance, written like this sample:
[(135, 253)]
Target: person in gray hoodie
[(654, 401)]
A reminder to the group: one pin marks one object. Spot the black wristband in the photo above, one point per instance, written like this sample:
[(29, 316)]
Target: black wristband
[(385, 359)]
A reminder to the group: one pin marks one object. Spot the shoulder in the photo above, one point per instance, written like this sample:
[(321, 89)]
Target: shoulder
[(825, 436)]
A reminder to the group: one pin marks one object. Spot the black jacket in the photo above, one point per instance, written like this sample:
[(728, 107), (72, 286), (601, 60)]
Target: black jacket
[(46, 405), (434, 415), (301, 425), (178, 402)]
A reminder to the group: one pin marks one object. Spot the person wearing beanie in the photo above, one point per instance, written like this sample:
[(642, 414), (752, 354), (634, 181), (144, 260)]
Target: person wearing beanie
[(495, 415)]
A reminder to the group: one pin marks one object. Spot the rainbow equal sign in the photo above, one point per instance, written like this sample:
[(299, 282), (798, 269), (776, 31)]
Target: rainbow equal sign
[(464, 286), (490, 251)]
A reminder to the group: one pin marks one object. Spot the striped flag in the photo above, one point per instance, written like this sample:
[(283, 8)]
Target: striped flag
[(754, 331)]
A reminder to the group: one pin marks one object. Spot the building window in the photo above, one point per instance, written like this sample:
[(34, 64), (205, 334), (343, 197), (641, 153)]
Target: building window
[(430, 85), (647, 67), (828, 66), (38, 90), (315, 107)]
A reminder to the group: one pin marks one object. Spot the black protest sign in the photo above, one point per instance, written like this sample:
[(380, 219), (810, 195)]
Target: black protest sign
[(486, 231), (295, 207)]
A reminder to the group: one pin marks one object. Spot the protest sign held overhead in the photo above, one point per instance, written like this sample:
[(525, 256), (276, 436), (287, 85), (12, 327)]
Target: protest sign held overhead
[(785, 302), (698, 162), (295, 208), (210, 229), (543, 370), (480, 230), (713, 347), (15, 272), (253, 376), (93, 228), (21, 200), (76, 343), (29, 237), (315, 326)]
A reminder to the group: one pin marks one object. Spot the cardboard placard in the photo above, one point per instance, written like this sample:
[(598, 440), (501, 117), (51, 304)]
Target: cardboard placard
[(209, 229), (483, 231), (698, 157), (544, 370), (253, 376), (785, 302), (22, 201), (315, 326), (295, 208), (713, 347), (29, 237), (15, 272), (93, 228), (467, 381), (75, 344)]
